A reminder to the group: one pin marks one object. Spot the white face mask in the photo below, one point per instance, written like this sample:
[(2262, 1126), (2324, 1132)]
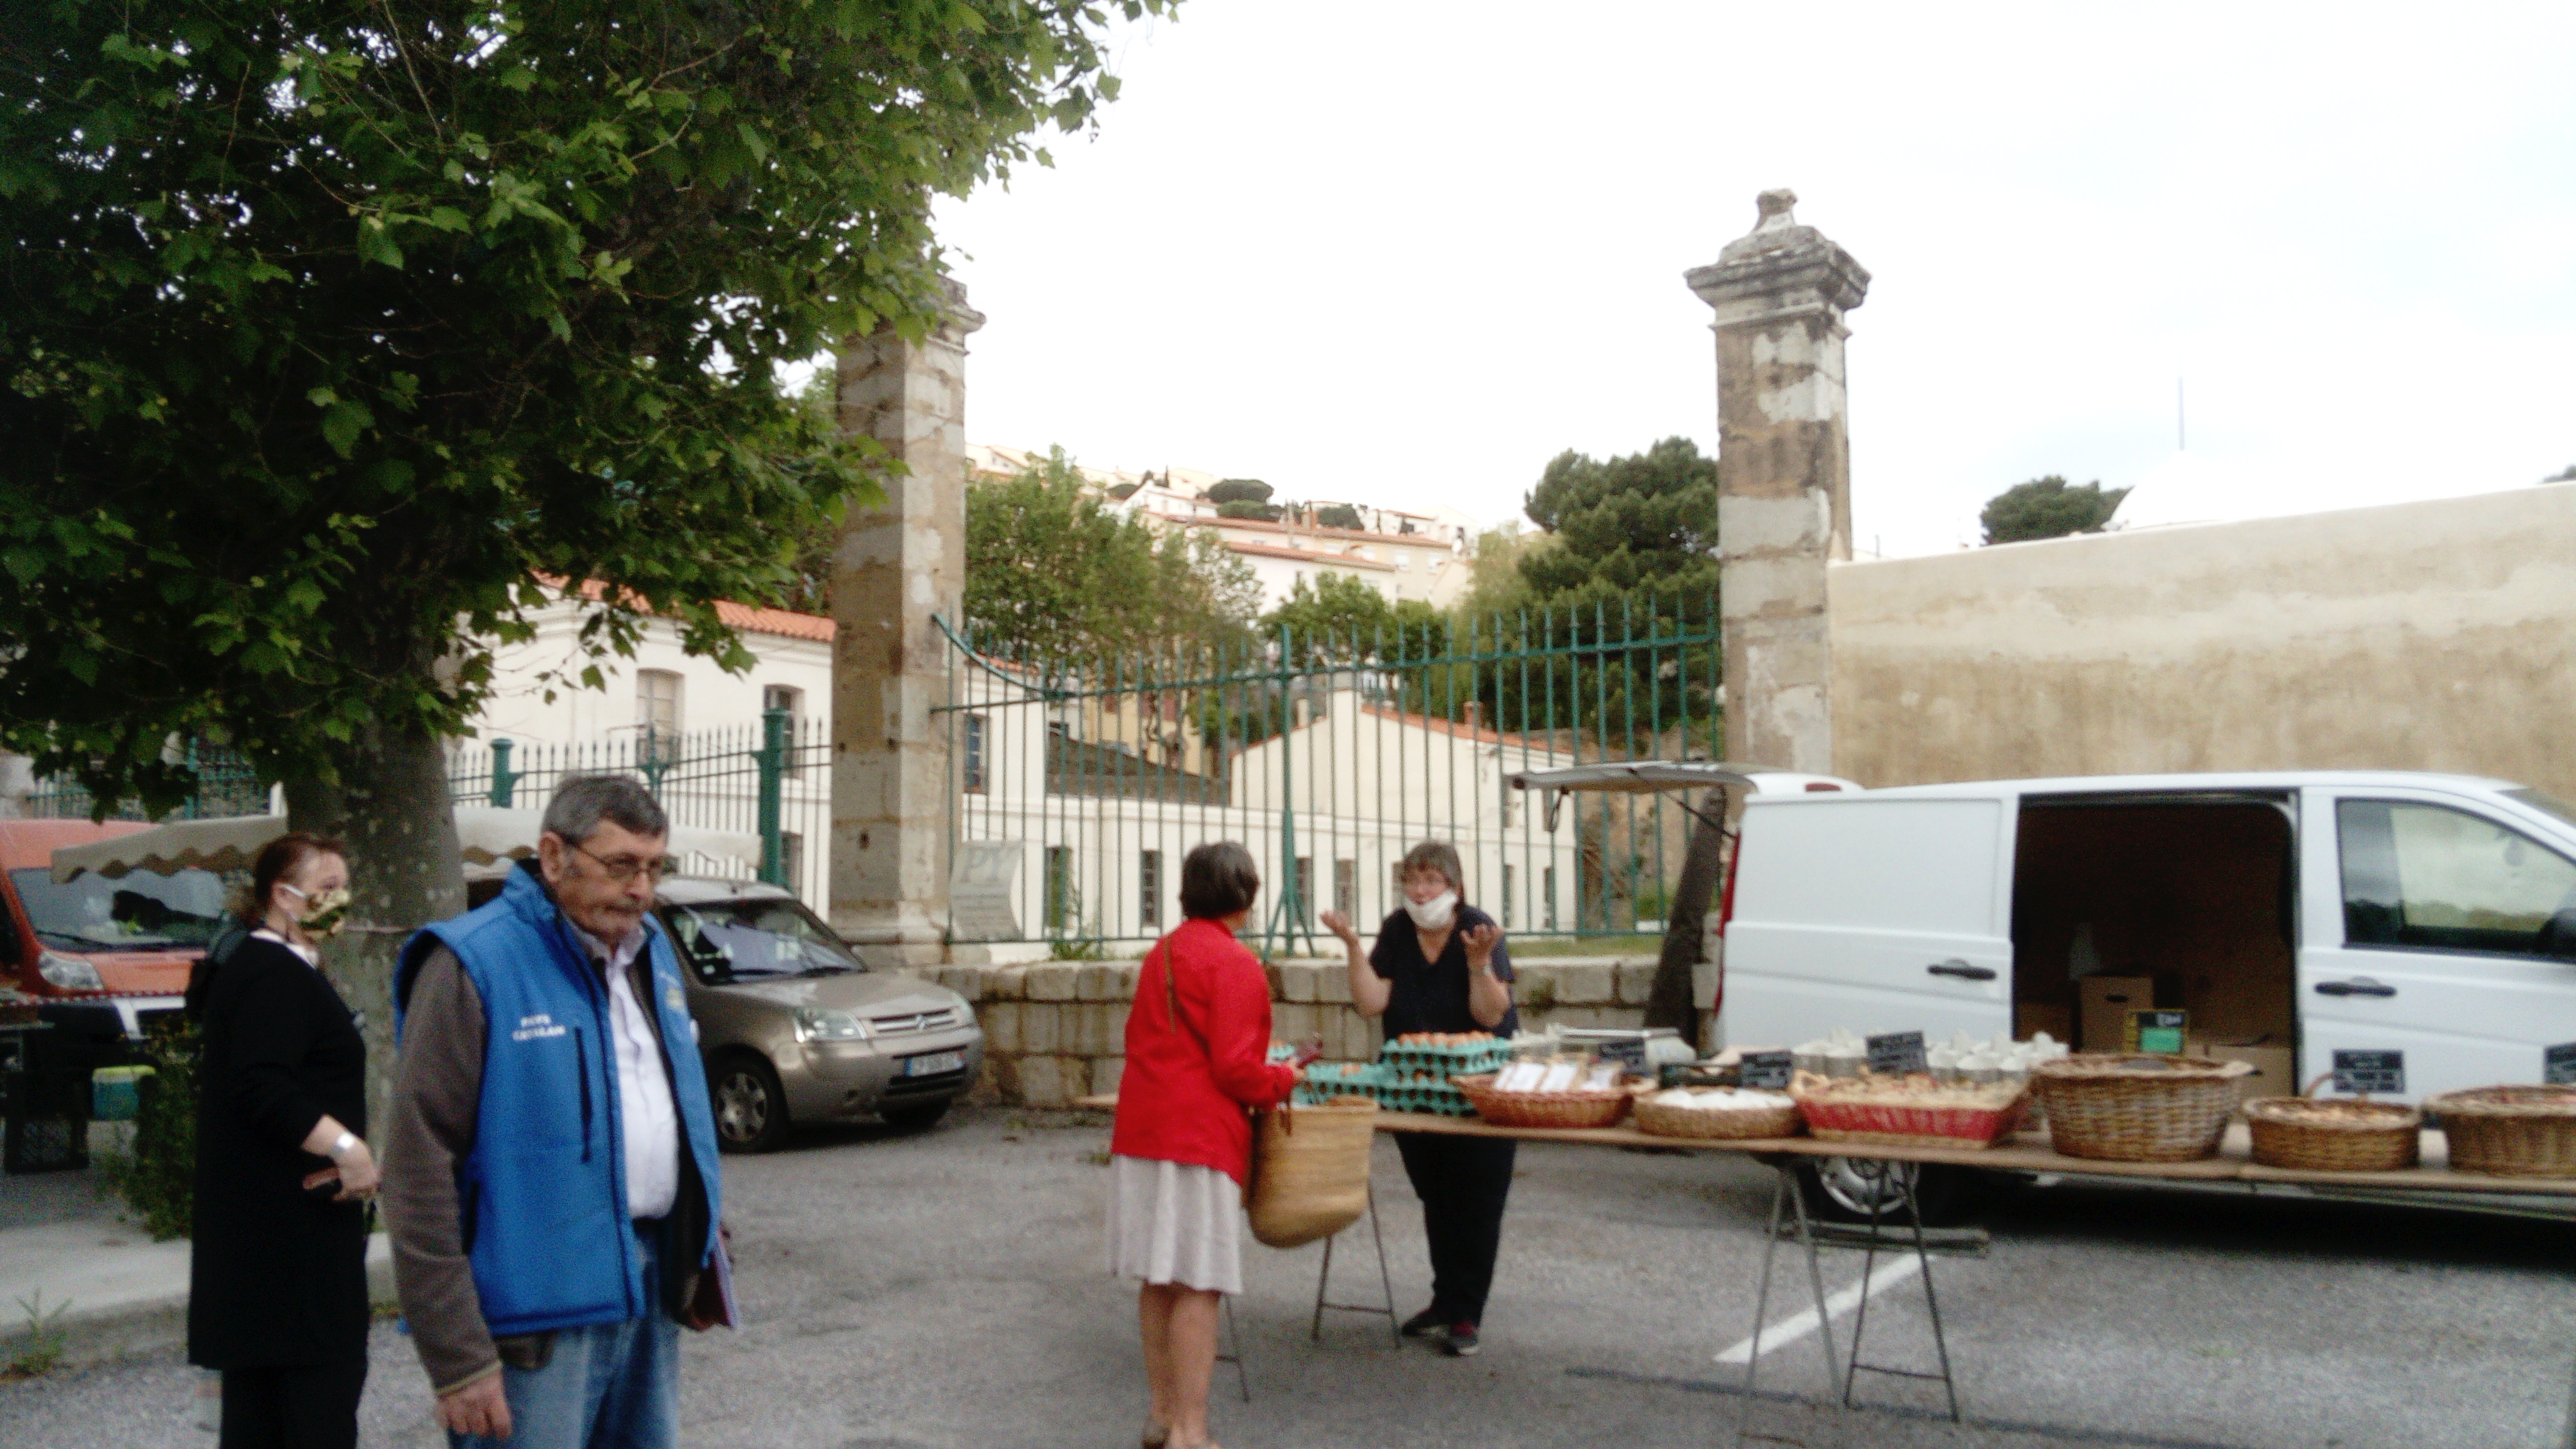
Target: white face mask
[(1433, 914)]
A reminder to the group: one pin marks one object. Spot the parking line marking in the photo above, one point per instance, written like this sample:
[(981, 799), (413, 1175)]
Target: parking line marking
[(1837, 1303)]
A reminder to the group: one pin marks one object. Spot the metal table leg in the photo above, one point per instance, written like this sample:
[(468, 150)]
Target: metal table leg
[(1785, 1192), (1906, 1175), (1386, 1282)]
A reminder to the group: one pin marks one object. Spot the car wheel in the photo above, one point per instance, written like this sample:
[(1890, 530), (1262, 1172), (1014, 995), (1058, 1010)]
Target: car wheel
[(751, 1109), (1844, 1190), (914, 1119)]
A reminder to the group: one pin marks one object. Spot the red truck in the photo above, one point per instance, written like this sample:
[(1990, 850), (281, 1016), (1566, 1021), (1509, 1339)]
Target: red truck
[(103, 957)]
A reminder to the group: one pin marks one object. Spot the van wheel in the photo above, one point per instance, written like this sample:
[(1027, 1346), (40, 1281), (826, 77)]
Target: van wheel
[(1843, 1189), (751, 1109)]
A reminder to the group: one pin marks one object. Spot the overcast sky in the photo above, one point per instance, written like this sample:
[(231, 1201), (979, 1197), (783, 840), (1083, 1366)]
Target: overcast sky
[(1406, 253)]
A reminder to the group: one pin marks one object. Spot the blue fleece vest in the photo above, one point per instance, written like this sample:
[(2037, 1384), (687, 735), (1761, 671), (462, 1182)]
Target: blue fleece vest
[(543, 1193)]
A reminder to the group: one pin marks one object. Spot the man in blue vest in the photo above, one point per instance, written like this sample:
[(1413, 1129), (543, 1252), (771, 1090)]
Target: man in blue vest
[(550, 1173)]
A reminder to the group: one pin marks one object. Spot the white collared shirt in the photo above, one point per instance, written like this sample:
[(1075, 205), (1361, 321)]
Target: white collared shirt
[(648, 1121), (310, 956)]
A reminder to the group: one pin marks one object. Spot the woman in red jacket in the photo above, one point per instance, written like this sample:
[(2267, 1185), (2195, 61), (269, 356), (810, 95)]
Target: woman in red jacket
[(1198, 1048)]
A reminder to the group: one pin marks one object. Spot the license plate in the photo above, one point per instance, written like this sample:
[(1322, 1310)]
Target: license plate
[(933, 1064)]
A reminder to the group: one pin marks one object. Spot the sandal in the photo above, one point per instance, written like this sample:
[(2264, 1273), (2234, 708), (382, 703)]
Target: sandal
[(1156, 1435)]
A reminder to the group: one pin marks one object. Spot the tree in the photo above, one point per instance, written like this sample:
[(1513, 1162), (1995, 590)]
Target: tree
[(1237, 490), (2563, 475), (1053, 576), (2048, 508), (1339, 515), (1246, 508), (334, 328)]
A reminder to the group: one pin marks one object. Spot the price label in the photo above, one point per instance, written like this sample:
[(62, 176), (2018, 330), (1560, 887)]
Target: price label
[(1895, 1053), (2558, 1065), (2158, 1031), (1765, 1070), (2378, 1073)]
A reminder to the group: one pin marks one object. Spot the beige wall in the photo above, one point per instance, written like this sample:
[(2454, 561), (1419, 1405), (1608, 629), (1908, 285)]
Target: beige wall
[(2420, 636)]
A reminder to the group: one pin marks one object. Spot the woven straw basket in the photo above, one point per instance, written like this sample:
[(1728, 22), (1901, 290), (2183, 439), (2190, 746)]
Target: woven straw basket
[(1545, 1109), (2356, 1136), (1888, 1115), (2510, 1131), (1310, 1176), (1709, 1125), (2137, 1106)]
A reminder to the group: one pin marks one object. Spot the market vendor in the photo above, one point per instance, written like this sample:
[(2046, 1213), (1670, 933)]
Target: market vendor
[(1440, 965)]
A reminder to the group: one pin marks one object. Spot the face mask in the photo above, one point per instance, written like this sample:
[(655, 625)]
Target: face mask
[(1433, 914), (324, 914)]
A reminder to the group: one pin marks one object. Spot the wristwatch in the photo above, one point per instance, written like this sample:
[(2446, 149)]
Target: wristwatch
[(341, 1145)]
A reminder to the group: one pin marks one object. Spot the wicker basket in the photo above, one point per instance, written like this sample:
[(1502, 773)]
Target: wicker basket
[(1845, 1109), (2306, 1135), (1707, 1125), (2137, 1106), (2510, 1131), (1545, 1109), (1313, 1175)]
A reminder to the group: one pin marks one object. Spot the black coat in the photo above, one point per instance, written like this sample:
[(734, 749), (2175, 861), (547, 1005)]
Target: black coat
[(279, 1274)]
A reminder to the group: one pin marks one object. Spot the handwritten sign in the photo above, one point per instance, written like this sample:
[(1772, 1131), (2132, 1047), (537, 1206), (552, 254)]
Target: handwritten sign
[(2157, 1031), (2378, 1073), (2558, 1064), (1765, 1070), (1895, 1053)]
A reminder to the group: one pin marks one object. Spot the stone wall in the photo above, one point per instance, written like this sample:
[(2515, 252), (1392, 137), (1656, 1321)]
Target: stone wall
[(2416, 636), (1058, 1029)]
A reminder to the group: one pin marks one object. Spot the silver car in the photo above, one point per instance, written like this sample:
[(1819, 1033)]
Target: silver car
[(795, 1027)]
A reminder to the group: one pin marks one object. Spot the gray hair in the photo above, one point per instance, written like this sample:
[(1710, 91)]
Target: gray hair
[(582, 801), (1437, 855)]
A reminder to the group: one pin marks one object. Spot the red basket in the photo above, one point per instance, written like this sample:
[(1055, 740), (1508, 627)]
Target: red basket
[(1888, 1119)]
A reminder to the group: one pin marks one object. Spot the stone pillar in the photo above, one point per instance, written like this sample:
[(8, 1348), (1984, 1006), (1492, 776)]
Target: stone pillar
[(895, 567), (1783, 478)]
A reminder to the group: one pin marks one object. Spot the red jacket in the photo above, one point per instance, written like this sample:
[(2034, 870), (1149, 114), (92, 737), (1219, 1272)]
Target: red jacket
[(1179, 1101)]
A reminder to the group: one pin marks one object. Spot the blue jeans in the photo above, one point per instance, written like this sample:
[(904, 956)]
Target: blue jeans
[(608, 1385)]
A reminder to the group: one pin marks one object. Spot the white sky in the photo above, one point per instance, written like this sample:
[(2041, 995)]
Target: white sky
[(1406, 253)]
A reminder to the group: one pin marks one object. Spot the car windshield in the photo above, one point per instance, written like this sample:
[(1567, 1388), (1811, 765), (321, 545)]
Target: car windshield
[(140, 911), (742, 940)]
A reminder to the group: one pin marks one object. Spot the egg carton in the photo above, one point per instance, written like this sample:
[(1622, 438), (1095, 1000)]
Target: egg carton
[(1436, 1098), (1326, 1080), (1446, 1061)]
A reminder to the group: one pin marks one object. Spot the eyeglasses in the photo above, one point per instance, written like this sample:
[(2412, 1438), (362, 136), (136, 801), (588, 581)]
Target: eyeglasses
[(623, 869)]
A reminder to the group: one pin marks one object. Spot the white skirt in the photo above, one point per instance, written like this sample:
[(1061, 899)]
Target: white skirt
[(1175, 1222)]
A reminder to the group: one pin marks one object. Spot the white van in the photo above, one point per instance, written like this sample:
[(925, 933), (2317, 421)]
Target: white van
[(2433, 915)]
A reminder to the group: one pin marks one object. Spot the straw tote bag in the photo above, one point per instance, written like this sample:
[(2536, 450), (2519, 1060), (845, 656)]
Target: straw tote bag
[(1310, 1169)]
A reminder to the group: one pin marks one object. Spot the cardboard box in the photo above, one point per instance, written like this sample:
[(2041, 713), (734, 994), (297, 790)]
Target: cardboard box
[(2102, 1007), (2030, 1018), (2275, 1072)]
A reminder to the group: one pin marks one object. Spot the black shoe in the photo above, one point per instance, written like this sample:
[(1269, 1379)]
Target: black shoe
[(1461, 1342), (1425, 1323)]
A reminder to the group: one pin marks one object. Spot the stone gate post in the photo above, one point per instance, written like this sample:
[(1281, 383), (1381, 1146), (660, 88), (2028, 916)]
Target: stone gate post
[(1783, 477), (894, 568)]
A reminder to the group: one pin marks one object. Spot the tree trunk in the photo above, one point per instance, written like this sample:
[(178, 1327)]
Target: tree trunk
[(390, 807), (1671, 1001)]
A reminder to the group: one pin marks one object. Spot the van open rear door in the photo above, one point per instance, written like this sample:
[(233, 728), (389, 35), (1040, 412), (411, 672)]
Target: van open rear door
[(1872, 912)]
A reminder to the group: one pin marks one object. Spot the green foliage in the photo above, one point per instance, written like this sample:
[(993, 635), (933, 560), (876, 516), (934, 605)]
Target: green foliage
[(2563, 475), (1124, 491), (1244, 508), (2048, 508), (1237, 490), (45, 1340), (333, 327), (1050, 574), (1339, 515), (1342, 619), (157, 1174)]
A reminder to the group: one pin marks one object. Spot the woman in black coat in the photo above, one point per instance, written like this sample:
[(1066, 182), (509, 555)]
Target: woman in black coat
[(278, 1280)]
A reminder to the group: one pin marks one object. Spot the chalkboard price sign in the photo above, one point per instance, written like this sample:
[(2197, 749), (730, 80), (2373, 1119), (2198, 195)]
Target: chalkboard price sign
[(1895, 1053), (2558, 1064), (2378, 1073), (1765, 1070)]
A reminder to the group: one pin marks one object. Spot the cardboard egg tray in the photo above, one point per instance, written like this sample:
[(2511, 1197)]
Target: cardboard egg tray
[(1445, 1061)]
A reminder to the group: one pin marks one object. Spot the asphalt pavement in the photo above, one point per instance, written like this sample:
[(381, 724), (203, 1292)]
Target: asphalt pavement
[(944, 1291)]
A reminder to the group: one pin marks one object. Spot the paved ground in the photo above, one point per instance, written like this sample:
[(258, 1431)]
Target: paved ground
[(942, 1292)]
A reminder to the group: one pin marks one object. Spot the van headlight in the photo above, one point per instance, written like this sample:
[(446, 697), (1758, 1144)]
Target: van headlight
[(71, 973), (815, 1023)]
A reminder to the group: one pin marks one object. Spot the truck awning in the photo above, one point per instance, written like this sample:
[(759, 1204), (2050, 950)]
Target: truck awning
[(1648, 777)]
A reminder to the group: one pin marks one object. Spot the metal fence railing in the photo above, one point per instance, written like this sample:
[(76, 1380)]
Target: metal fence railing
[(226, 786), (772, 782), (1079, 785)]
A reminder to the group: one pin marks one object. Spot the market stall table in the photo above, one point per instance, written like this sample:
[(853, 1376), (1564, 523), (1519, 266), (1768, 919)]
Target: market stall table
[(2026, 1152)]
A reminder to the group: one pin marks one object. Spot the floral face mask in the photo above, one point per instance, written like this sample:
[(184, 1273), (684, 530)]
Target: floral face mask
[(324, 914)]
